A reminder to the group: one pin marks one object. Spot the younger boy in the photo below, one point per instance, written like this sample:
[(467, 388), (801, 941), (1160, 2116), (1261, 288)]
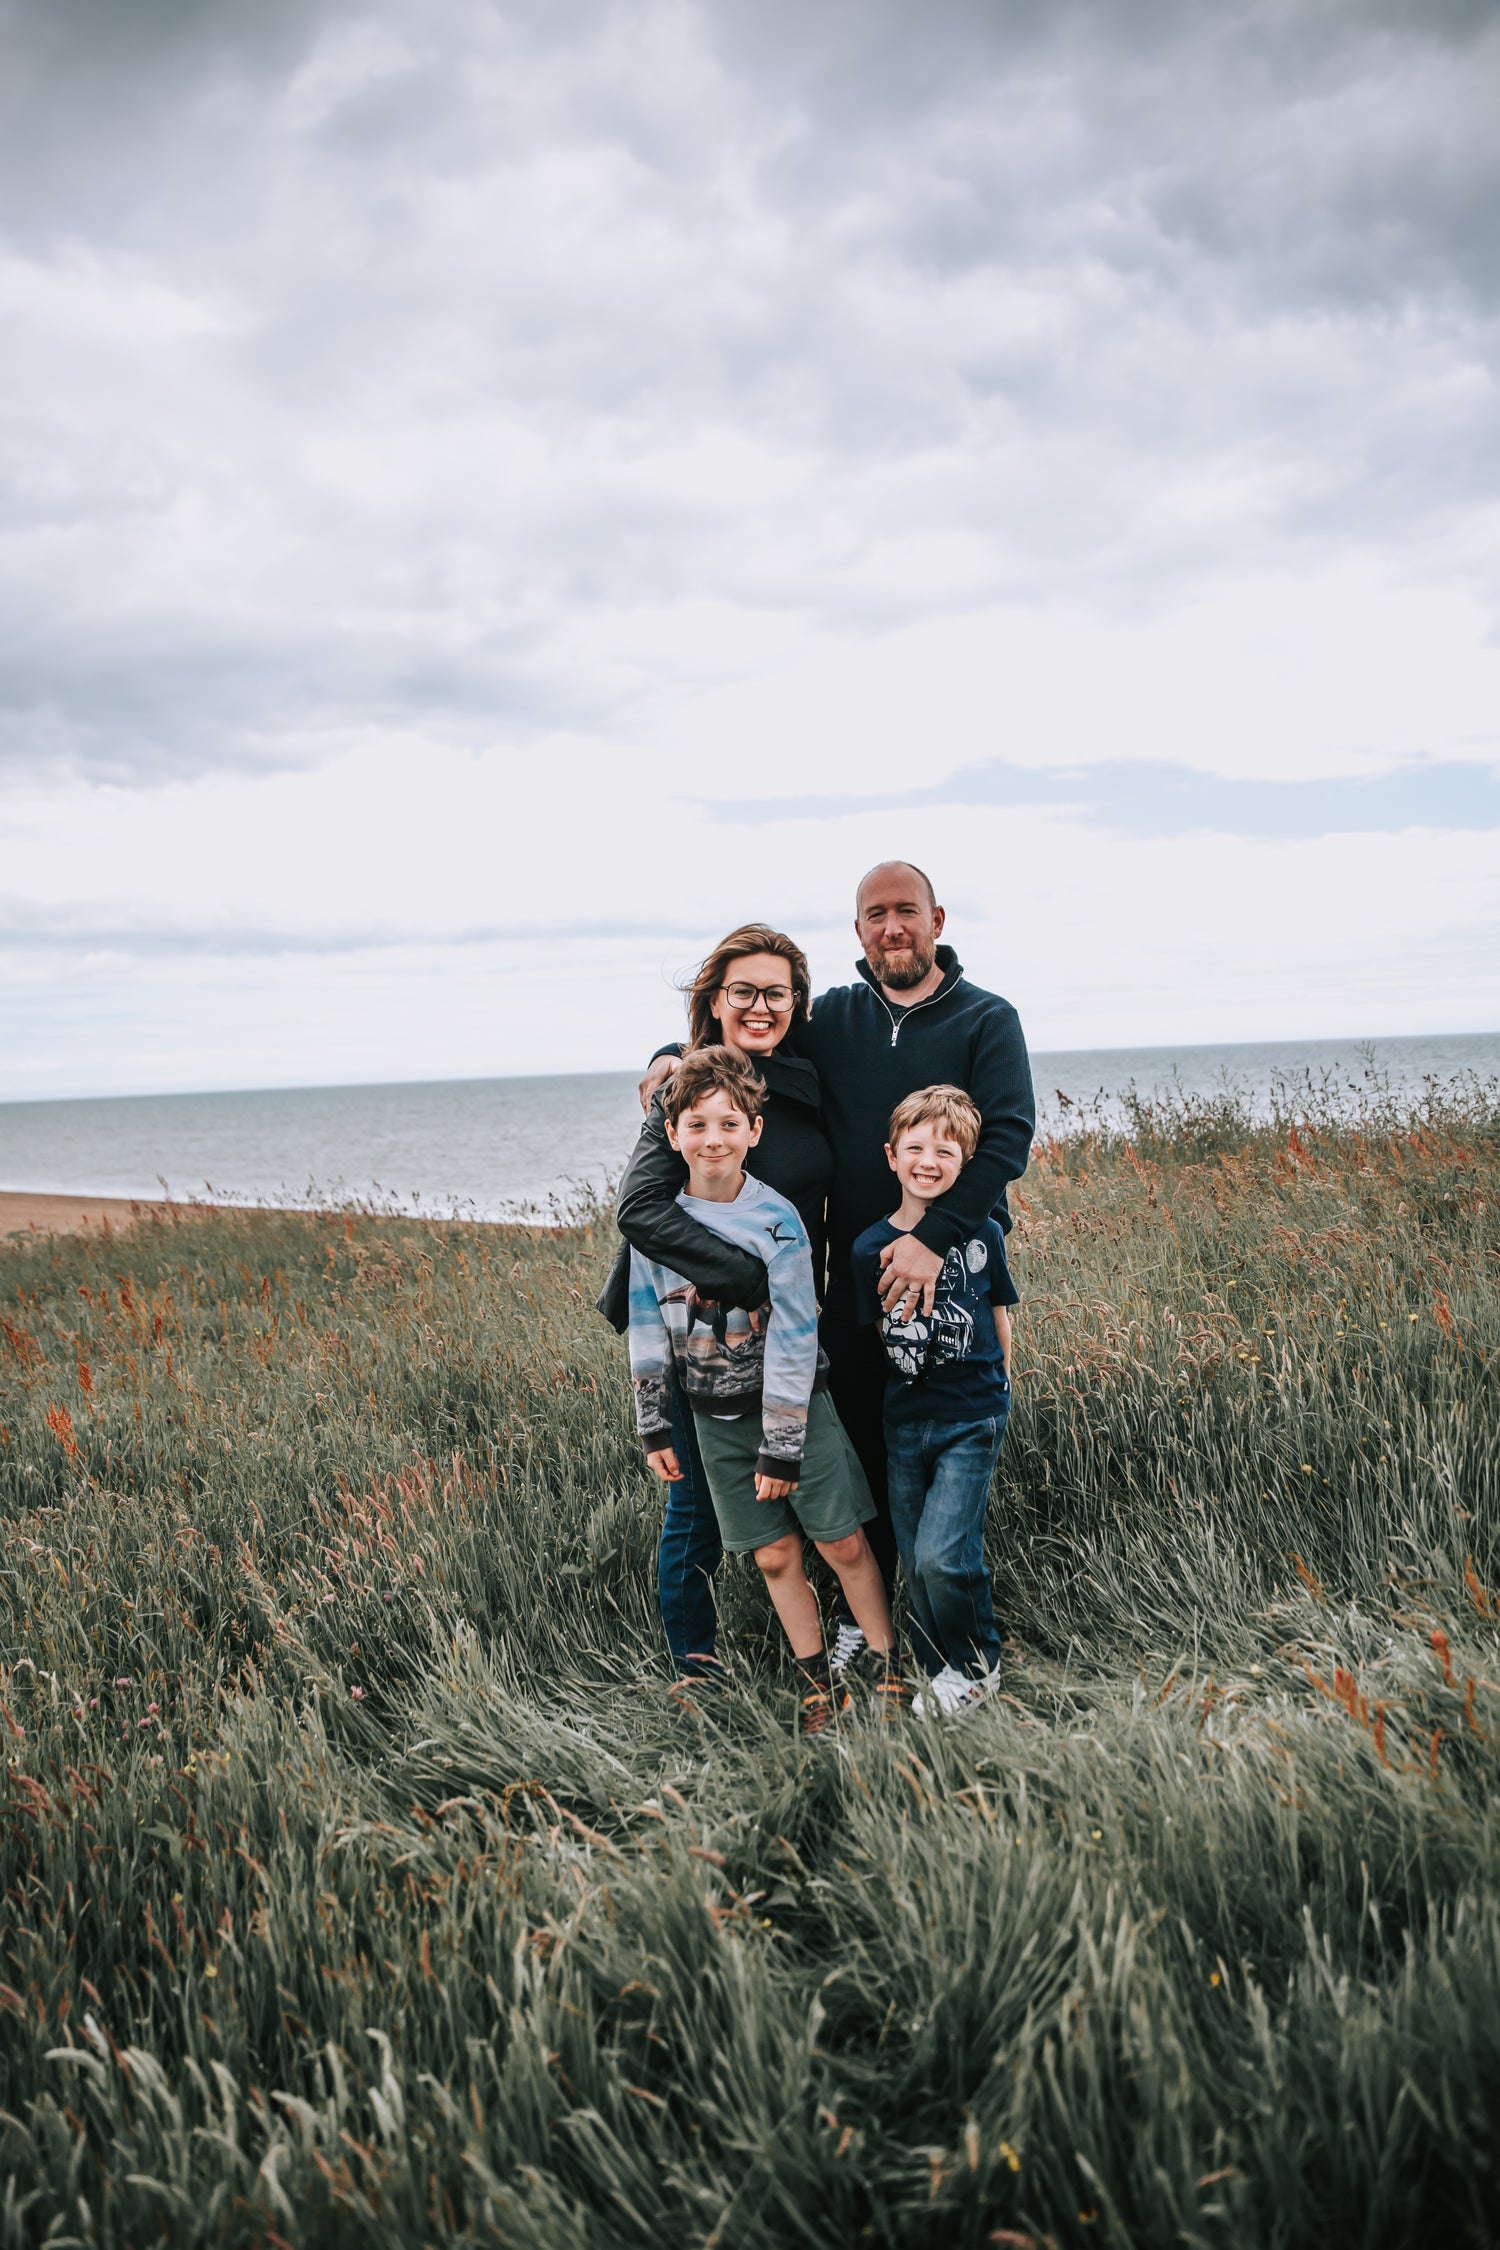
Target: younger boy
[(946, 1402), (777, 1460)]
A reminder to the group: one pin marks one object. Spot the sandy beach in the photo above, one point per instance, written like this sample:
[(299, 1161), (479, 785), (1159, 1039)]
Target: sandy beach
[(22, 1212)]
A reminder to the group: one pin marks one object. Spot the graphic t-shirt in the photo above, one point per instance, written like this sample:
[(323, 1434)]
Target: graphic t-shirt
[(946, 1365)]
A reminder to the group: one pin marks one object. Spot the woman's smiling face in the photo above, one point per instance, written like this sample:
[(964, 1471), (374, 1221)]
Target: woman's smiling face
[(754, 1028)]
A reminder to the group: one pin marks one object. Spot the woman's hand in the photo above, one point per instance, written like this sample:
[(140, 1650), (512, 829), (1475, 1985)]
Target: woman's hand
[(665, 1465), (656, 1074), (772, 1488)]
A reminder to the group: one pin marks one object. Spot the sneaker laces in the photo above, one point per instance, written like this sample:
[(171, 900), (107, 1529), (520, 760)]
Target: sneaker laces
[(823, 1699), (847, 1643), (893, 1695)]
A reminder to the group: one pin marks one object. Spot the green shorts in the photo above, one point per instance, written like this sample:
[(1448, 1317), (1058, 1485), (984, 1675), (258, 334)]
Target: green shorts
[(829, 1500)]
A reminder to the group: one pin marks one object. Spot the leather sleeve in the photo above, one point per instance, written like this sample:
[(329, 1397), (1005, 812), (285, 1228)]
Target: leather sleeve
[(1000, 1083), (653, 1221)]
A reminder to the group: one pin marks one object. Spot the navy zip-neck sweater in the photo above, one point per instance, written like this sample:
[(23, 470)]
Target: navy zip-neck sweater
[(871, 1054)]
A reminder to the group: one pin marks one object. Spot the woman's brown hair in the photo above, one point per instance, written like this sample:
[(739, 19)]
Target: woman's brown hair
[(750, 937)]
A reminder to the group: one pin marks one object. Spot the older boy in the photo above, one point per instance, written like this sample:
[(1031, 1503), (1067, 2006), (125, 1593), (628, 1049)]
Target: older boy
[(776, 1457), (946, 1402)]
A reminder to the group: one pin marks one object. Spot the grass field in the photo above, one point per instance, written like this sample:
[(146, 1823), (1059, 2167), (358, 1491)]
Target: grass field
[(363, 1883)]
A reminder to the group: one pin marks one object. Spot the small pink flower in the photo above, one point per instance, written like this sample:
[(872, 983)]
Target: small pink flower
[(153, 1708), (358, 1694), (93, 1702), (122, 1683), (329, 1597)]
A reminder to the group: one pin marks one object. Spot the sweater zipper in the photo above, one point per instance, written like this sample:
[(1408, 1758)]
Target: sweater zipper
[(930, 1002)]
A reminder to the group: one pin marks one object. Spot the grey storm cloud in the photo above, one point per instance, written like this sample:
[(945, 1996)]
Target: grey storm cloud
[(359, 356)]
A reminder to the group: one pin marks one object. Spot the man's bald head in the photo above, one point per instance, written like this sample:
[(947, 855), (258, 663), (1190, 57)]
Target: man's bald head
[(893, 875), (899, 922)]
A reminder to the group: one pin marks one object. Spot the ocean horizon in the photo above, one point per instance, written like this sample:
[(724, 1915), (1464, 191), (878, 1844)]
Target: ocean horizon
[(494, 1148)]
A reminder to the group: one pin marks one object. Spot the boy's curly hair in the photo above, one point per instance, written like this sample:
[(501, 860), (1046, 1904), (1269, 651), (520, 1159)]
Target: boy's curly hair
[(948, 1106), (707, 1070)]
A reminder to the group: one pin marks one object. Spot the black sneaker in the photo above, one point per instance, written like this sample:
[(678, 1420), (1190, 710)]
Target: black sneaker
[(824, 1697), (701, 1680), (891, 1689), (848, 1646), (821, 1706)]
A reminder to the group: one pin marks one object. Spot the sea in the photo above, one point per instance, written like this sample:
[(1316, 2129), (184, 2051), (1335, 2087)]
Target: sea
[(539, 1148)]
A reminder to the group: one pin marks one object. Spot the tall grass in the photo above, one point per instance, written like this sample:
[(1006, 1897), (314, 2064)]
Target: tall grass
[(364, 1882)]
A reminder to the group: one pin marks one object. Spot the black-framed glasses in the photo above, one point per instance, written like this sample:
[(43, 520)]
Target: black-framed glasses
[(779, 998)]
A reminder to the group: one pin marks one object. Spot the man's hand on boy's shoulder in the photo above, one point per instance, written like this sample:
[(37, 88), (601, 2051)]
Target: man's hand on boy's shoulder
[(909, 1276)]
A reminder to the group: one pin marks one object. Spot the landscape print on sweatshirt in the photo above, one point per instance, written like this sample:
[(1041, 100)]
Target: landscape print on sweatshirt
[(720, 1347)]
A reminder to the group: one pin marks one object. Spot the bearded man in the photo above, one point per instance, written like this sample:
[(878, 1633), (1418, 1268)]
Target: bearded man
[(912, 1020)]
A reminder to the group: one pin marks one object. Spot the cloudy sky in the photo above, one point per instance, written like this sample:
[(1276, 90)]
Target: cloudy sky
[(493, 494)]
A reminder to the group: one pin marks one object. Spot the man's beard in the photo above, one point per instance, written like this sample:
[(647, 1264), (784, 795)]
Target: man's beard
[(900, 971)]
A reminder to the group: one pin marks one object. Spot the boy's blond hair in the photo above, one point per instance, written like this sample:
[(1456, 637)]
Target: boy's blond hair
[(708, 1070), (948, 1106)]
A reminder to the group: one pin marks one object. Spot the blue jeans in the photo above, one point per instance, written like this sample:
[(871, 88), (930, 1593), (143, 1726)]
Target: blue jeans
[(940, 1492), (690, 1550)]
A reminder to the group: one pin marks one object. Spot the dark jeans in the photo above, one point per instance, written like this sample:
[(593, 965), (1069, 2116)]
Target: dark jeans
[(940, 1492), (690, 1551), (856, 1379)]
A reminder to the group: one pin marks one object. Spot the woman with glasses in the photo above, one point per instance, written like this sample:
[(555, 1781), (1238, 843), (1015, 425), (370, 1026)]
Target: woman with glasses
[(748, 994)]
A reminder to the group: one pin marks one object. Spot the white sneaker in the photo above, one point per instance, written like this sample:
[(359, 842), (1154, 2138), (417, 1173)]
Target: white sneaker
[(847, 1643), (955, 1691), (978, 1691), (944, 1692)]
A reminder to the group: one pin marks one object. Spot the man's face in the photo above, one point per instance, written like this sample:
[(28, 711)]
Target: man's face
[(714, 1136), (898, 926)]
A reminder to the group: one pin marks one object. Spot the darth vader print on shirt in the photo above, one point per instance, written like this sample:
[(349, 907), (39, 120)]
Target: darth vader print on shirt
[(928, 1341)]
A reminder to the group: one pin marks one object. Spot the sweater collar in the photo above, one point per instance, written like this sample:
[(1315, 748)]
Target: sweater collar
[(947, 961), (791, 1077)]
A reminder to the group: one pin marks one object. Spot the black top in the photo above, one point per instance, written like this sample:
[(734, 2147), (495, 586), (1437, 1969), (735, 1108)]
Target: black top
[(869, 1056), (792, 1155), (946, 1365)]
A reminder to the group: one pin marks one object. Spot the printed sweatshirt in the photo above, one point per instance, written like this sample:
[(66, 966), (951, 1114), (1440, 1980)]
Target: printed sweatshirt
[(730, 1362)]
